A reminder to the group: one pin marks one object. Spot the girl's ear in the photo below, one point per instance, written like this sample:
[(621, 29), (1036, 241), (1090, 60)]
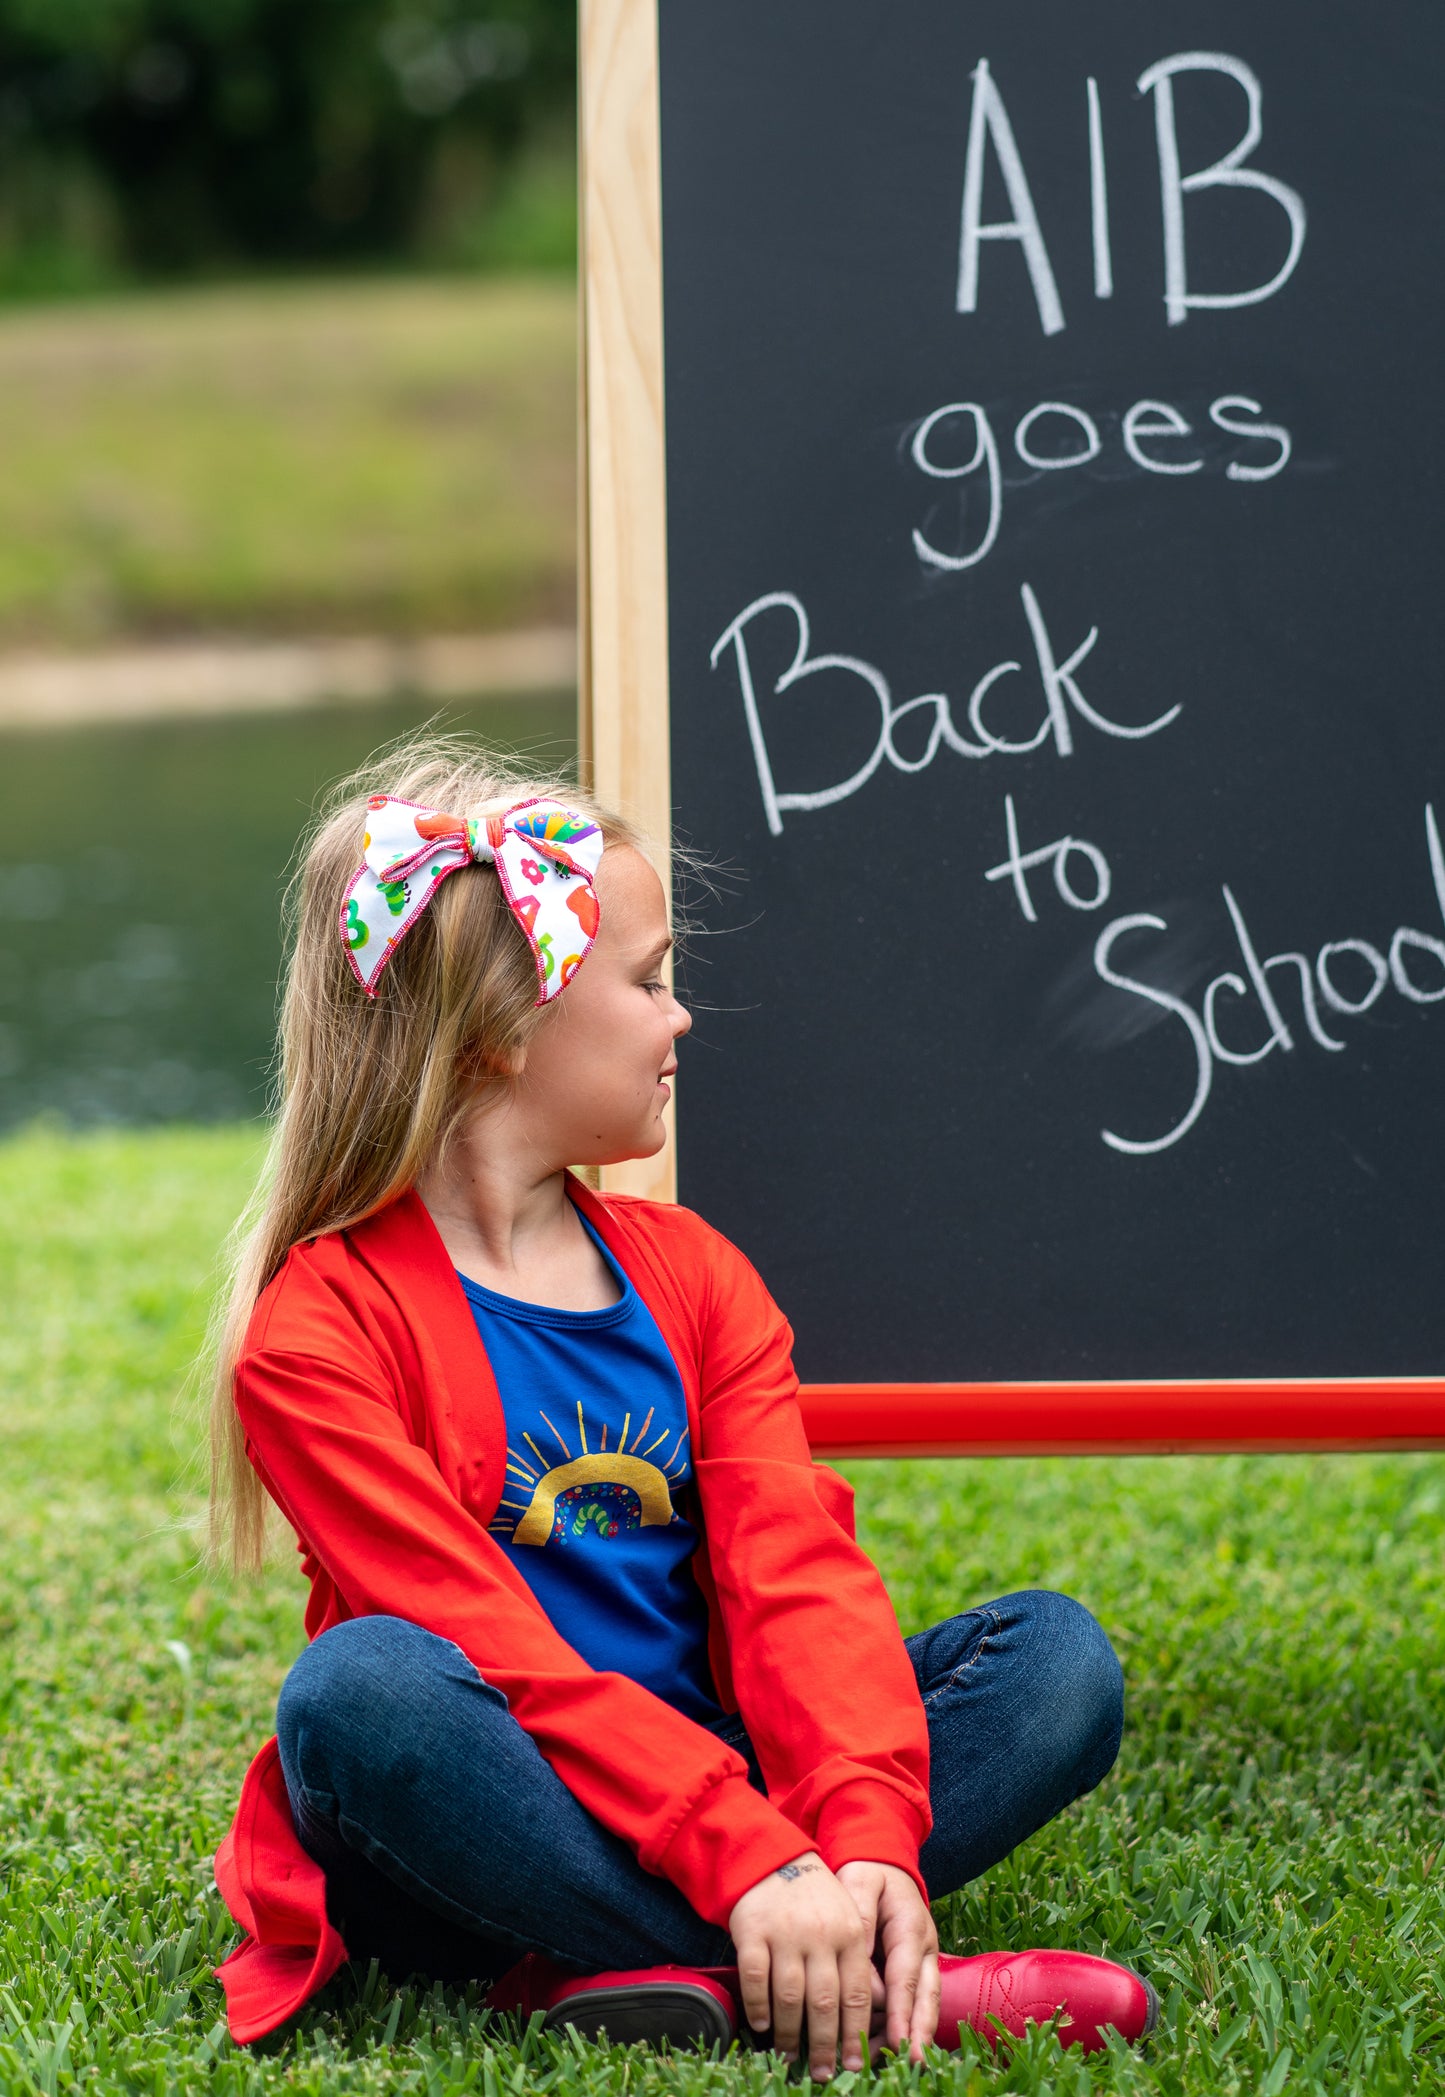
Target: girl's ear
[(478, 1071)]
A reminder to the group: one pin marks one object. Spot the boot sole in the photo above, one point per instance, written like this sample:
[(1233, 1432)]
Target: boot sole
[(670, 2012), (1153, 2017)]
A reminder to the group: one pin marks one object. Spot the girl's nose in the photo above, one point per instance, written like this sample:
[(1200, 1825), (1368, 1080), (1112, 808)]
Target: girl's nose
[(681, 1020)]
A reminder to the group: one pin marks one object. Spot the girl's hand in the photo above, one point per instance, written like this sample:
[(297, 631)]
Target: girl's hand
[(896, 1917), (803, 1949)]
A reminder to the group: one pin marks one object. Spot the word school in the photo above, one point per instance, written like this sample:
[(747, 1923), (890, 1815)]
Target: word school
[(1349, 975)]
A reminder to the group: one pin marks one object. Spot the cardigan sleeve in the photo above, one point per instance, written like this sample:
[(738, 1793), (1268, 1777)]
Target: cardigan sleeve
[(819, 1666), (325, 1433)]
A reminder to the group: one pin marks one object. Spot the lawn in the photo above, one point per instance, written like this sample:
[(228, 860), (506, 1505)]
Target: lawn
[(391, 455), (1265, 1849)]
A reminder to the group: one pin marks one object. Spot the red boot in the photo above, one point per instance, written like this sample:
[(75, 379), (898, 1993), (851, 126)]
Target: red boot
[(1021, 1987), (692, 2006), (679, 2004)]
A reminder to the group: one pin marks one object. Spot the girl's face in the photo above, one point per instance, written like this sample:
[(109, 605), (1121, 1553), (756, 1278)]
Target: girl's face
[(595, 1077)]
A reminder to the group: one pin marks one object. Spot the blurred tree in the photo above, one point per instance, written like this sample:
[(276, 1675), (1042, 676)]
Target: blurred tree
[(158, 136)]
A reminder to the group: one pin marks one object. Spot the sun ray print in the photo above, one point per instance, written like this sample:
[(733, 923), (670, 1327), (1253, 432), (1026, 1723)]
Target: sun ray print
[(601, 1493), (552, 1430)]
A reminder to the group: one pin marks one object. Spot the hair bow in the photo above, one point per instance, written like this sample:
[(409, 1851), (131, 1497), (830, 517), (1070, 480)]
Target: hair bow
[(546, 857)]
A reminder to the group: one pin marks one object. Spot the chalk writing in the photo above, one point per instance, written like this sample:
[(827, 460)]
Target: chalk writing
[(1413, 964), (1056, 436), (987, 455), (989, 126), (988, 121), (1016, 868), (1063, 698), (1228, 173), (1099, 197)]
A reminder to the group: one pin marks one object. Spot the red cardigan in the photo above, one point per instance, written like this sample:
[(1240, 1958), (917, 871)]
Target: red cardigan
[(372, 1417)]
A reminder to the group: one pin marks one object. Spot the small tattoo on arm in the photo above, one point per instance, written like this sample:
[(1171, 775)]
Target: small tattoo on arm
[(794, 1871)]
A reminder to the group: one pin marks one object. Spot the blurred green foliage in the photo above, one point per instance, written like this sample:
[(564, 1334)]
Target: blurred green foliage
[(143, 138), (342, 457)]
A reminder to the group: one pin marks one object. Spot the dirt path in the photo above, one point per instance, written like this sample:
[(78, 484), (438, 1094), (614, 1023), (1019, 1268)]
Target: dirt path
[(217, 677)]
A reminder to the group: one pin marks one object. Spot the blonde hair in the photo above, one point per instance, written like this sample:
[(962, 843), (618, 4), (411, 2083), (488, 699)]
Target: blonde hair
[(370, 1090)]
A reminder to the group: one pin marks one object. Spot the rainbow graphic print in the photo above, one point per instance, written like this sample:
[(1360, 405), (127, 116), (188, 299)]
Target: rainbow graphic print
[(596, 1511), (590, 1492)]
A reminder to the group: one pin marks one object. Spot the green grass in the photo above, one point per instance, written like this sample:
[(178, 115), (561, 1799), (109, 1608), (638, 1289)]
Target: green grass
[(393, 455), (1266, 1847)]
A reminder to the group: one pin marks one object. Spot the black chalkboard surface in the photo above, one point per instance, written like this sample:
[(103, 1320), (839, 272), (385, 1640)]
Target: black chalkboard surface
[(1055, 424)]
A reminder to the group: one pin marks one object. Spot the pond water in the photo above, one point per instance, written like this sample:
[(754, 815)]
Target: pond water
[(141, 873)]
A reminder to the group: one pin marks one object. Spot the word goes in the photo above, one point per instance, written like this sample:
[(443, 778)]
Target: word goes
[(1056, 437)]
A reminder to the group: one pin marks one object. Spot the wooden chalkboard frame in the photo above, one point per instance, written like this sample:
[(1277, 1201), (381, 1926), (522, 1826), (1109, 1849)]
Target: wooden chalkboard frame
[(624, 736), (623, 721)]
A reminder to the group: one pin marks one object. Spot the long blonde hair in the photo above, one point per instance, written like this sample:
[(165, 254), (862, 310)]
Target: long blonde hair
[(369, 1090)]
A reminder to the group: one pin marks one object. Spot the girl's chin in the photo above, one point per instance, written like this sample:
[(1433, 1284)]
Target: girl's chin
[(646, 1145)]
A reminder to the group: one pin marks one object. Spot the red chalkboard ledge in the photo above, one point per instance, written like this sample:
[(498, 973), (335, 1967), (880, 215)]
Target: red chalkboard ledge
[(1125, 1419)]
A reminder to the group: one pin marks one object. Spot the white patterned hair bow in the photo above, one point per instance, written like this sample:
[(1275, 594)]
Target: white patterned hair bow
[(546, 857)]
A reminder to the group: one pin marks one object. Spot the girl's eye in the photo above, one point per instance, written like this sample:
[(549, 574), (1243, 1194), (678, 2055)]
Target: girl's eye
[(654, 983)]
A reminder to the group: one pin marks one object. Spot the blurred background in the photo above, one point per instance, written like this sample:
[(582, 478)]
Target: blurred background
[(287, 466)]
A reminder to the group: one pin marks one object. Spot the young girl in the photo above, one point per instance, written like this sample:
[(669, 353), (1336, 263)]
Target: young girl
[(603, 1704)]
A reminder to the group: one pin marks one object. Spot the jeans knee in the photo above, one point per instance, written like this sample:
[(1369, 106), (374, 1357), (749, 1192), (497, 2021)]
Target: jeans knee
[(1085, 1679), (347, 1686), (1096, 1688)]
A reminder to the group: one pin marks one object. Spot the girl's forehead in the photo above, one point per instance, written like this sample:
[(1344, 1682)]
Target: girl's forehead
[(634, 909), (630, 890)]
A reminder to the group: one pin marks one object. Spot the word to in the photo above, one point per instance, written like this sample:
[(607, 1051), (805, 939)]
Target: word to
[(1018, 865)]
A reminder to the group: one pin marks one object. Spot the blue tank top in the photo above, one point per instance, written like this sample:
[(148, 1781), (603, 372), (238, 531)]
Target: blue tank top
[(598, 1452)]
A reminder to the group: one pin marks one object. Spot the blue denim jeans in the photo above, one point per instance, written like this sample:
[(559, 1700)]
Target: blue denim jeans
[(450, 1847)]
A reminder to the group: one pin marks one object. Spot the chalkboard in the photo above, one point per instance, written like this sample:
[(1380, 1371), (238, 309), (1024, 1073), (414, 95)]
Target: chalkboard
[(1054, 429)]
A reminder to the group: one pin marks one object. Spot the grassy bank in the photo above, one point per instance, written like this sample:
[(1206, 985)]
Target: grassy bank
[(1267, 1847), (339, 456)]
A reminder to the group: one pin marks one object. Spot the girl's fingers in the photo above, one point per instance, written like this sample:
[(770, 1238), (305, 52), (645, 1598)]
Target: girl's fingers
[(824, 2001), (902, 2002), (856, 1975), (865, 1899), (925, 2007), (754, 1973), (789, 1980), (909, 1954)]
